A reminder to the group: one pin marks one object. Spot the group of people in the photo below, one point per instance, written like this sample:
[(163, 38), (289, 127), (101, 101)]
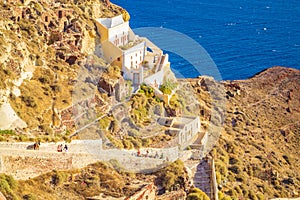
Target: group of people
[(61, 148), (148, 154)]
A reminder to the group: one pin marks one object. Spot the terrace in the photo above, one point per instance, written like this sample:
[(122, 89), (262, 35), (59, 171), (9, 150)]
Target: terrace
[(131, 44)]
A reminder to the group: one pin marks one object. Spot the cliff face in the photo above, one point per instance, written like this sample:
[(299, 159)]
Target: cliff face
[(42, 46), (257, 154)]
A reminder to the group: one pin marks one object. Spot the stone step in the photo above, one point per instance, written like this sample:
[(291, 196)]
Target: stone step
[(206, 190), (202, 176), (207, 179), (202, 172), (201, 182), (203, 185), (203, 167)]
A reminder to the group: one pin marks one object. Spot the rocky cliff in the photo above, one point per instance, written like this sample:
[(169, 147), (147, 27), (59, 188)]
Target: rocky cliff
[(42, 46)]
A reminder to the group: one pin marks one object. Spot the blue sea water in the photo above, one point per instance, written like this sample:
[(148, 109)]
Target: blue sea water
[(242, 37)]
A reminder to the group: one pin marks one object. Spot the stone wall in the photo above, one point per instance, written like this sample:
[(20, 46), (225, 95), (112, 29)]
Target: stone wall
[(21, 162)]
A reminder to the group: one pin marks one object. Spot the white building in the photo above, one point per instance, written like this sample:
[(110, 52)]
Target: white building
[(185, 128), (122, 47)]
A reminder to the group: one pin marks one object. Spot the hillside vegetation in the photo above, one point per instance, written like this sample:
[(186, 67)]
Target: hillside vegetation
[(257, 154), (106, 178)]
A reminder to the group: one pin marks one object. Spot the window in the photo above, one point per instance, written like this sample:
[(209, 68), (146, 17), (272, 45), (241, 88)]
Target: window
[(46, 19), (60, 14), (119, 59)]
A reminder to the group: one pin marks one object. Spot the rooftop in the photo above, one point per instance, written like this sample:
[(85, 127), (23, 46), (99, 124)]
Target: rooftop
[(111, 22), (176, 122)]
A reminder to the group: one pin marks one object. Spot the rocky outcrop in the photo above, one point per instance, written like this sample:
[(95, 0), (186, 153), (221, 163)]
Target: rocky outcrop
[(42, 45)]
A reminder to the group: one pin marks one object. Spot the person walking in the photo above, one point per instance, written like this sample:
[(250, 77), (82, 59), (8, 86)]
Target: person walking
[(139, 153)]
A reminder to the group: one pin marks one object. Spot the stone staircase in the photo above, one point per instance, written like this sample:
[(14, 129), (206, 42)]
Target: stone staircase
[(202, 178)]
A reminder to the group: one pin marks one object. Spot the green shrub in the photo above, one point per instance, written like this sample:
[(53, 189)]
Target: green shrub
[(219, 178), (235, 169), (7, 185), (22, 138), (137, 142), (252, 195), (172, 175), (127, 144), (45, 79), (29, 101), (30, 197), (242, 177), (260, 196), (4, 186), (234, 160), (7, 132), (197, 194), (58, 177), (148, 91), (220, 195), (238, 190), (104, 122), (66, 139), (221, 167), (165, 89)]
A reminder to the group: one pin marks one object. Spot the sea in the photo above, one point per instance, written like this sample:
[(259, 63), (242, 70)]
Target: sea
[(227, 39)]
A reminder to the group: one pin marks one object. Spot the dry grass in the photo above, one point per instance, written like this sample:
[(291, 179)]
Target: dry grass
[(257, 155), (73, 184)]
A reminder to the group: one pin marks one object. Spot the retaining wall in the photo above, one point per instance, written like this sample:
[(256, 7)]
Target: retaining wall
[(21, 163)]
